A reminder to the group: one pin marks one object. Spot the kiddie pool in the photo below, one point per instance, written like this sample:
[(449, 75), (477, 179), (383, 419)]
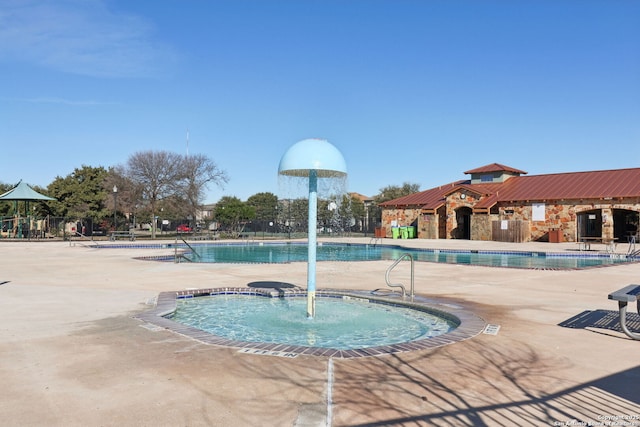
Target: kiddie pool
[(460, 323)]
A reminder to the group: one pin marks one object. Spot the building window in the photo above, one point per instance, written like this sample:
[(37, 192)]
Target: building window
[(486, 178)]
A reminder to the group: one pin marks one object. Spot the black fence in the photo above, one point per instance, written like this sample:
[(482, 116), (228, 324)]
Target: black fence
[(50, 227)]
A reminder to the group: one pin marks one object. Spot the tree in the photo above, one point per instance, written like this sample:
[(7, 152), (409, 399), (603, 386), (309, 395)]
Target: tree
[(198, 172), (350, 210), (293, 214), (339, 213), (233, 214), (299, 214), (390, 192), (128, 198), (80, 195), (265, 206), (327, 215), (357, 207), (179, 181), (393, 192), (5, 206)]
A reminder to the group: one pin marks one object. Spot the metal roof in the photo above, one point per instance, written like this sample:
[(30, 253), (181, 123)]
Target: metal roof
[(576, 185), (22, 191), (428, 199), (495, 167), (619, 183)]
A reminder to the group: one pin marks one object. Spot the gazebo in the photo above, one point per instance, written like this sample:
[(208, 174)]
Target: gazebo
[(22, 192)]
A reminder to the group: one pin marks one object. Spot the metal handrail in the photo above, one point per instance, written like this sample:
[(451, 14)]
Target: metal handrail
[(182, 255), (399, 285), (375, 240), (77, 233), (634, 254), (632, 245)]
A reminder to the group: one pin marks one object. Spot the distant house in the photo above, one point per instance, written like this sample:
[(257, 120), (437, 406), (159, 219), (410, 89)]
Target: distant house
[(364, 224), (500, 203), (204, 216)]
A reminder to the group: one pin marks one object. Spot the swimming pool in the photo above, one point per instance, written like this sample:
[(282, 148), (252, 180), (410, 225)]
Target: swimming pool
[(297, 252)]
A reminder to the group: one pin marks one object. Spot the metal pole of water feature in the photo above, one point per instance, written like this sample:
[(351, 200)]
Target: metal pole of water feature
[(312, 158), (313, 242)]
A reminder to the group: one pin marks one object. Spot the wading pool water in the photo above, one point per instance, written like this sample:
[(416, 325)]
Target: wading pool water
[(349, 324), (341, 322)]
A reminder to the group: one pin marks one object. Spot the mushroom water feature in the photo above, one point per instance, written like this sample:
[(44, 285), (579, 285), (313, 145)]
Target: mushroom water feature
[(312, 159)]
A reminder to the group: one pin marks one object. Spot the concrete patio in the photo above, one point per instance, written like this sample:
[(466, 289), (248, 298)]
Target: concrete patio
[(71, 353)]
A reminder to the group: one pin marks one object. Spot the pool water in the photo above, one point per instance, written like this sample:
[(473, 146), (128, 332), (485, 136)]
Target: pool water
[(341, 322), (297, 252)]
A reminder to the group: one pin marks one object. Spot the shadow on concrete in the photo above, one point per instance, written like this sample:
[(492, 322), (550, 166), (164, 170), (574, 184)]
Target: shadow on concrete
[(601, 319), (500, 387), (611, 400), (625, 384)]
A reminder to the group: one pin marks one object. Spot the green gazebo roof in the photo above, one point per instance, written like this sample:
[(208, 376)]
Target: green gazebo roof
[(22, 191)]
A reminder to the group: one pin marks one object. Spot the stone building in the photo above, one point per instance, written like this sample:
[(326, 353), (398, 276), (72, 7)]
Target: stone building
[(501, 203)]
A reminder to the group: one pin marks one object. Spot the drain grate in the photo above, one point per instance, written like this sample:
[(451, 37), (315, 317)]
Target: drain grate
[(263, 352), (491, 329), (151, 327)]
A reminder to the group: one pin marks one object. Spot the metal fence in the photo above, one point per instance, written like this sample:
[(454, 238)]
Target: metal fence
[(32, 227)]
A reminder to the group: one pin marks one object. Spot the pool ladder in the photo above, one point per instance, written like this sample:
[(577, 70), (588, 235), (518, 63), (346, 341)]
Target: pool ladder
[(179, 256), (399, 285), (634, 254), (82, 236), (375, 240)]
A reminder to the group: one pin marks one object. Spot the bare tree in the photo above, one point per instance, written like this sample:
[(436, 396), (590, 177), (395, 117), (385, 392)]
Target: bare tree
[(158, 174), (198, 172), (178, 180), (129, 196)]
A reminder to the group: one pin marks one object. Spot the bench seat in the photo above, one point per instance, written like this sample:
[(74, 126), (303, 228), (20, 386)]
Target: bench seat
[(126, 234), (624, 296), (585, 243)]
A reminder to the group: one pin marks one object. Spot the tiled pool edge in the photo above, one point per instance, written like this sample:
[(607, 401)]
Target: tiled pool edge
[(469, 324), (183, 249)]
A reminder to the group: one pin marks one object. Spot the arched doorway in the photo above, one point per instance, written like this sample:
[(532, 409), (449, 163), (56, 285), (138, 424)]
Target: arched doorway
[(463, 220), (625, 224)]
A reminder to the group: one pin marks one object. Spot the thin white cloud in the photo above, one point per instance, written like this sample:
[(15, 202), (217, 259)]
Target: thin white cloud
[(81, 37)]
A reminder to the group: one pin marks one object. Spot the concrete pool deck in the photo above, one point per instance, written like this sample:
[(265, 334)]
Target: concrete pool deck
[(71, 353)]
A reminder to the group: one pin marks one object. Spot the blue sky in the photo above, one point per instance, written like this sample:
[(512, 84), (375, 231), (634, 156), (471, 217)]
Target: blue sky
[(409, 91)]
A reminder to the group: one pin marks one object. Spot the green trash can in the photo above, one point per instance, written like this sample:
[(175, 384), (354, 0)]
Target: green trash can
[(404, 232), (395, 232), (411, 232)]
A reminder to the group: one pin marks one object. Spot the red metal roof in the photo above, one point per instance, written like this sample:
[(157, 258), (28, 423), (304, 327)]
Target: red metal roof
[(574, 185), (361, 197), (428, 199), (619, 183), (486, 203), (495, 167)]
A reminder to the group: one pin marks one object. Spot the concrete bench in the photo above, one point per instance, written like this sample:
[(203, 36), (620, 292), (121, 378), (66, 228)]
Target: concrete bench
[(124, 234), (624, 296)]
